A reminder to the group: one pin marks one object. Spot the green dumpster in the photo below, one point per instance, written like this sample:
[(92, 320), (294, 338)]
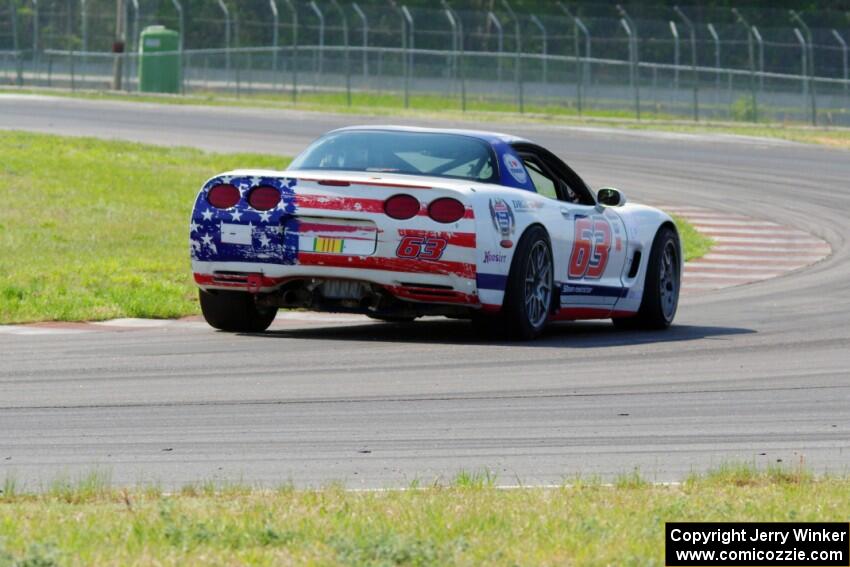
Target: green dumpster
[(159, 61)]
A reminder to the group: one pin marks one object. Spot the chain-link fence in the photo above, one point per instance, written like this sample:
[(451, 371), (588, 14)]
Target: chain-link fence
[(613, 62)]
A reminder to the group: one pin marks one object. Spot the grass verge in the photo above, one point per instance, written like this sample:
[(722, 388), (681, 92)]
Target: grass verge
[(478, 109), (694, 243), (470, 522), (96, 229)]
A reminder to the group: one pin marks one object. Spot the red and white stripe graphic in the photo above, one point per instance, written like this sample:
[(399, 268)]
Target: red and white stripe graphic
[(745, 250)]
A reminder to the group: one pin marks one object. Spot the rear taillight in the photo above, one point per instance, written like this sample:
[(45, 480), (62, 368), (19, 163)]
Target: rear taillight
[(446, 210), (401, 207), (223, 196), (263, 198)]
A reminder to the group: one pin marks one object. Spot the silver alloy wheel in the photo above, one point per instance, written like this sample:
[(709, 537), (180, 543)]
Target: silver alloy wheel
[(668, 280), (538, 284)]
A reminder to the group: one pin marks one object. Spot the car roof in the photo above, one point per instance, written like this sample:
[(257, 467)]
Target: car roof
[(489, 137)]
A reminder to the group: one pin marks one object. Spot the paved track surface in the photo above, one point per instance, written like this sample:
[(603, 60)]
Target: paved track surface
[(756, 372)]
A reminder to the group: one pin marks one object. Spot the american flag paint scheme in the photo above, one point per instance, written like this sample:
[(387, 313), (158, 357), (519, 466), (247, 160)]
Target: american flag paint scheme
[(398, 222)]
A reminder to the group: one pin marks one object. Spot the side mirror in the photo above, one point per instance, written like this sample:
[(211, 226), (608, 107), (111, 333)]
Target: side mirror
[(610, 197)]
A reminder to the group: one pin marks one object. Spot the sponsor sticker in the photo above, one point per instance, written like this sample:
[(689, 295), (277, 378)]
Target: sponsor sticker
[(494, 258), (515, 168), (525, 205), (503, 217), (575, 290), (328, 245)]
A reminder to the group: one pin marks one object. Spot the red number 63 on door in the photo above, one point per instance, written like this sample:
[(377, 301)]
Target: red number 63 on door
[(590, 249)]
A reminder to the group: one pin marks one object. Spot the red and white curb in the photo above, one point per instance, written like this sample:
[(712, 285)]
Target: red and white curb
[(746, 250)]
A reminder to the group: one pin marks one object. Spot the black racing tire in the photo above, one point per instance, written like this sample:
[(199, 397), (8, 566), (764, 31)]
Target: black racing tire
[(235, 311), (528, 294), (661, 288)]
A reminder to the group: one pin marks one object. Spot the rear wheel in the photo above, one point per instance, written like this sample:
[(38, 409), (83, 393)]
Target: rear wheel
[(528, 295), (662, 285), (235, 311)]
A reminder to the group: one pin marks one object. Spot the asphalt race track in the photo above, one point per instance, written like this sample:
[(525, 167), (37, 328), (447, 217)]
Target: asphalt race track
[(755, 373)]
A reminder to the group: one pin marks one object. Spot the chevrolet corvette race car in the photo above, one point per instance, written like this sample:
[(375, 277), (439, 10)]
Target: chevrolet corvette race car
[(398, 223)]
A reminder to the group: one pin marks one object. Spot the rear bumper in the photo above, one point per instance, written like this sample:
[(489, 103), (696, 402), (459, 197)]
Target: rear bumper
[(416, 282)]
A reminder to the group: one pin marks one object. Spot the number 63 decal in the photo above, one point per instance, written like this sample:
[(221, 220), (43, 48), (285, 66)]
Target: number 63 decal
[(421, 247), (590, 249)]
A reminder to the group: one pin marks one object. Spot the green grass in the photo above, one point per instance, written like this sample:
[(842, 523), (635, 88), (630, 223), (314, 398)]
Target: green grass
[(95, 229), (466, 523), (694, 244), (426, 106)]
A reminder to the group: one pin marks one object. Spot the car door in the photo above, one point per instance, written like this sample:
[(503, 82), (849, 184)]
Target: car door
[(593, 241)]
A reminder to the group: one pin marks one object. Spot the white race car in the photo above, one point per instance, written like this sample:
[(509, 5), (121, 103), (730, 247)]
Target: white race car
[(398, 223)]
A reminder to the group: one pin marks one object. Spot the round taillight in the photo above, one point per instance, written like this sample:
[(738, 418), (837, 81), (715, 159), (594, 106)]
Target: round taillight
[(264, 198), (401, 207), (446, 210), (223, 196)]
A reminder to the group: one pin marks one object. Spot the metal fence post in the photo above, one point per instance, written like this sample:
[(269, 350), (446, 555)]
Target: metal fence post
[(226, 13), (364, 21), (136, 17), (451, 58), (577, 53), (181, 24), (457, 26), (342, 15), (411, 41), (631, 30), (84, 32), (582, 70), (751, 51), (500, 45), (13, 20), (318, 58), (19, 72), (453, 25), (275, 39), (716, 39), (409, 61), (35, 35), (760, 42), (804, 61), (518, 60), (120, 39), (461, 61), (320, 66), (811, 49), (545, 49), (134, 43), (294, 50), (843, 45), (404, 59), (675, 31), (693, 33)]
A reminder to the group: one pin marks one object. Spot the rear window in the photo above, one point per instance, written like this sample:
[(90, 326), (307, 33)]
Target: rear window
[(413, 153)]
